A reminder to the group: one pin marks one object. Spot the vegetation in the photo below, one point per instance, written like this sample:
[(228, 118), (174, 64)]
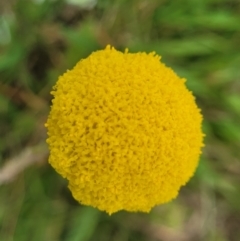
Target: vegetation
[(40, 39)]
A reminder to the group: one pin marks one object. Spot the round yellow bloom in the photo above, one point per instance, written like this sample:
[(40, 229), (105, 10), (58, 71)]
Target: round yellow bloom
[(124, 131)]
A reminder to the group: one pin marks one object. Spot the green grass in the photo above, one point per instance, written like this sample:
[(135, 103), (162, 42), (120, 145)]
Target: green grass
[(199, 39)]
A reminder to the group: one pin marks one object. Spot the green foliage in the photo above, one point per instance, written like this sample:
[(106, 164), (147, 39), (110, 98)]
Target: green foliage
[(39, 40)]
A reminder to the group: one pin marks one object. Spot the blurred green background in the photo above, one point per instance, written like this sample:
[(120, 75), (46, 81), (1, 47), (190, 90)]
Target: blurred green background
[(40, 39)]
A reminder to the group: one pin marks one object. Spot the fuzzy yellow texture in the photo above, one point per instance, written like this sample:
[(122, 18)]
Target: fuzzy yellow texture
[(124, 131)]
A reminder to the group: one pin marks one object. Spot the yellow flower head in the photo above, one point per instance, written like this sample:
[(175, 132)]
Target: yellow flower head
[(124, 131)]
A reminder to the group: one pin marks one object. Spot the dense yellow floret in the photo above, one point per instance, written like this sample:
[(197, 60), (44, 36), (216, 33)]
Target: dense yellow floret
[(124, 131)]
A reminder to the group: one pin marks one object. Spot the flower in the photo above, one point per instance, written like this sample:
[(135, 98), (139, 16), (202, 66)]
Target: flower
[(124, 131)]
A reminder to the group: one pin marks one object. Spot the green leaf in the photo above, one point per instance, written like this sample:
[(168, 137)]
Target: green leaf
[(83, 223)]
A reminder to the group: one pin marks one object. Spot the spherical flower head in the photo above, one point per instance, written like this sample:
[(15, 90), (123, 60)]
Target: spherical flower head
[(124, 131)]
